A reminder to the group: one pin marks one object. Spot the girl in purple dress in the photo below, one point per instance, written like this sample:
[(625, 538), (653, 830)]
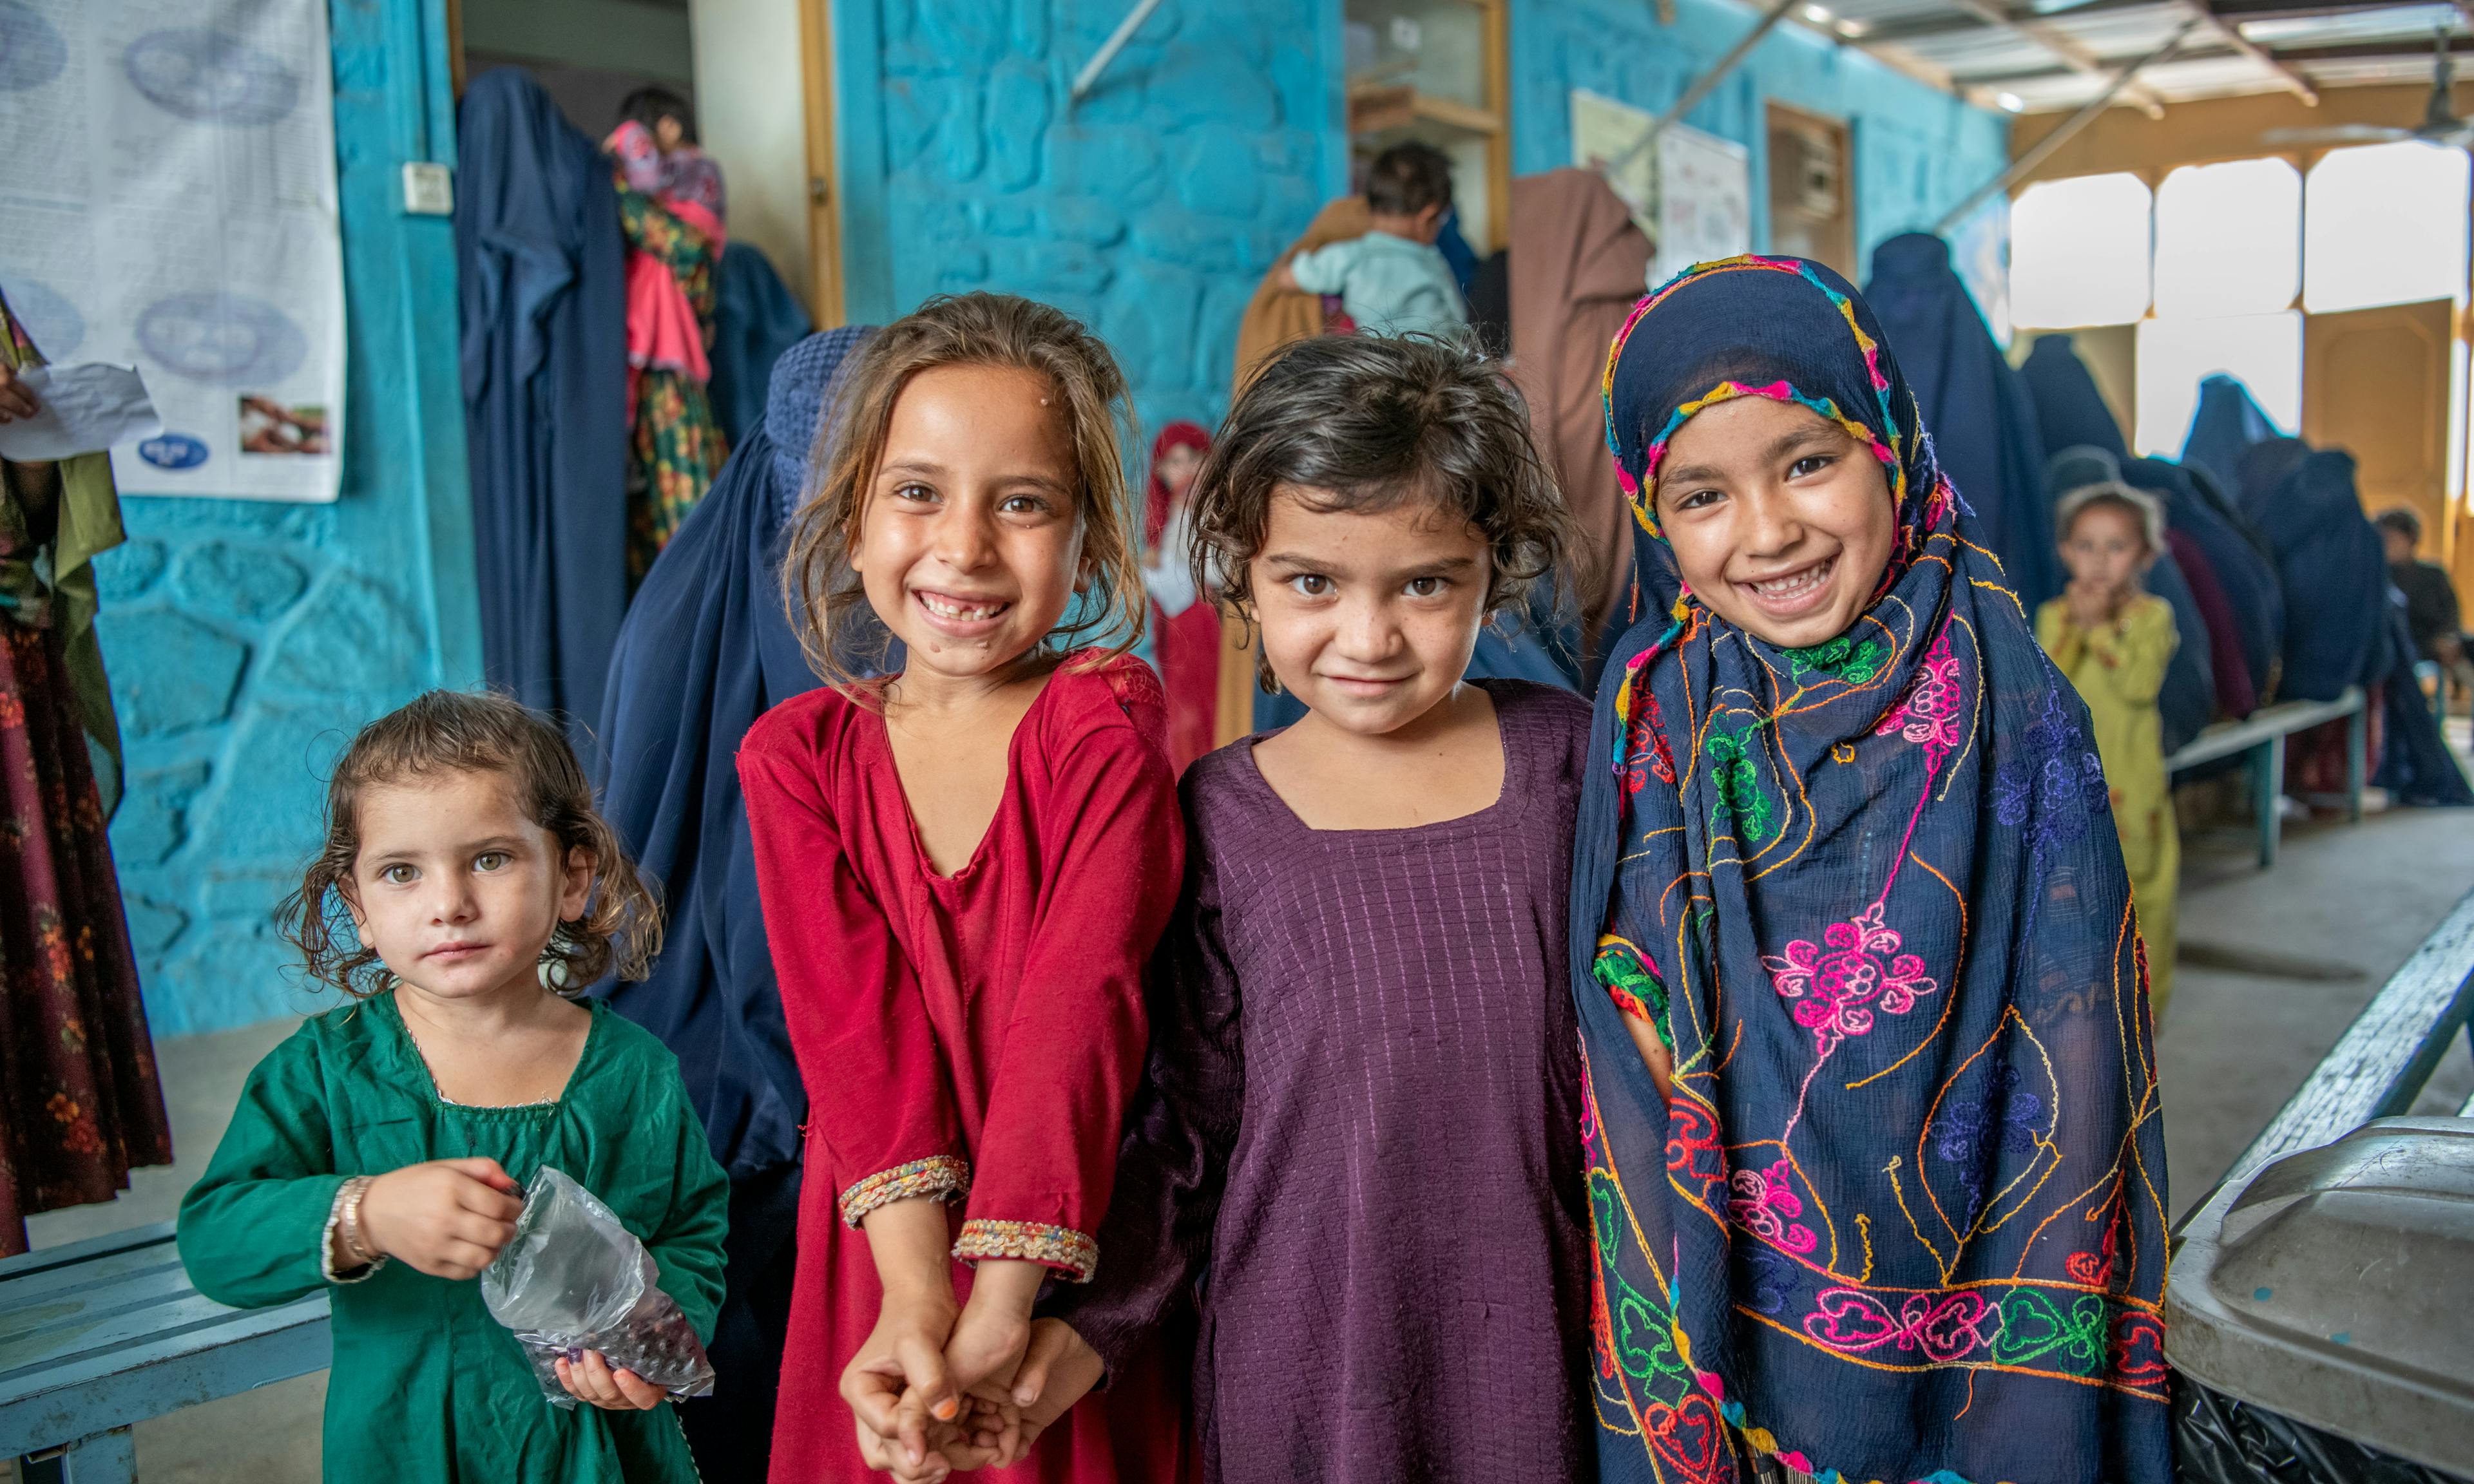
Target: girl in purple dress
[(1356, 1170)]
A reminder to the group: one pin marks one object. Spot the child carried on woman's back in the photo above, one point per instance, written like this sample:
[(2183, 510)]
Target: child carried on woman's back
[(1364, 1120), (380, 1153), (1393, 281)]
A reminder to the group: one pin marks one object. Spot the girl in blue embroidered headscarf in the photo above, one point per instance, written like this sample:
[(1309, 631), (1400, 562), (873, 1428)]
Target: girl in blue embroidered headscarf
[(1876, 1159)]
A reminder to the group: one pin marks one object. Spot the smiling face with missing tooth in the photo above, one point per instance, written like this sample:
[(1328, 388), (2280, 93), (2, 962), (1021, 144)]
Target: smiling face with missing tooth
[(1779, 520), (971, 543)]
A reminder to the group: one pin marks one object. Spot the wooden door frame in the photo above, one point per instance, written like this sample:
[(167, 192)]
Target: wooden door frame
[(824, 194)]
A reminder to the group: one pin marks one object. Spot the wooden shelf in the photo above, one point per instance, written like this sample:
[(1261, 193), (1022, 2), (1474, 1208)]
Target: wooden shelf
[(1379, 108)]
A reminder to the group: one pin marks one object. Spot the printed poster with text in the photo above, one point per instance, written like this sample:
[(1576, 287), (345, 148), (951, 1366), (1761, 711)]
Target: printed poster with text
[(167, 201)]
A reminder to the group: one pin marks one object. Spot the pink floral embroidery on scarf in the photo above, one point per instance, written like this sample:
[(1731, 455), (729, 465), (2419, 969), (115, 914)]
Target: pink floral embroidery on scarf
[(1863, 967), (1765, 1204), (1930, 718)]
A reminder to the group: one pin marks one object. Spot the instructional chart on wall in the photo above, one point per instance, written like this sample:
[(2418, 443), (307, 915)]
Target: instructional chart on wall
[(167, 201), (1691, 192)]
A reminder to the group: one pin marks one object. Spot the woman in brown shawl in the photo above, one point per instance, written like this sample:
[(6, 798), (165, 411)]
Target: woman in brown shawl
[(1577, 266)]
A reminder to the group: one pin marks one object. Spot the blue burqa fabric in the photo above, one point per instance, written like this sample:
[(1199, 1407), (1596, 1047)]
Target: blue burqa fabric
[(2335, 574), (1984, 421), (755, 323), (2187, 699), (2414, 765), (1904, 1217), (707, 648), (2226, 422), (2070, 410), (542, 307), (2243, 568)]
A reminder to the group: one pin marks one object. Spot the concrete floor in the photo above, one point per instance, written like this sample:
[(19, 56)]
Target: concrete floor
[(2232, 1050)]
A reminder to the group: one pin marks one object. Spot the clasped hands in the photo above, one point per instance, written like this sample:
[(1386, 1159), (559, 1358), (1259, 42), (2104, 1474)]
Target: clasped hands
[(939, 1386)]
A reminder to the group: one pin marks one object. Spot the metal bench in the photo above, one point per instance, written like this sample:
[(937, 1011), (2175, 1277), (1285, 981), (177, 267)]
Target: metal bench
[(2378, 1067), (2261, 734), (98, 1336)]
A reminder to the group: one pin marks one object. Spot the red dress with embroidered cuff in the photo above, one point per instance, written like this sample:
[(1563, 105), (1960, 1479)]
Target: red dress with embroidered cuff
[(976, 1035)]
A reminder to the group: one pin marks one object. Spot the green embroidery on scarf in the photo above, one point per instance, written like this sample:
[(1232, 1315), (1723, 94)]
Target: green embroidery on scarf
[(1622, 974), (1846, 660), (1741, 801), (2035, 1327), (1640, 1334)]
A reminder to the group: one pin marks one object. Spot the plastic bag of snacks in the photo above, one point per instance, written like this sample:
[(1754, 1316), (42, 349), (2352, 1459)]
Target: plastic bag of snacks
[(573, 1278)]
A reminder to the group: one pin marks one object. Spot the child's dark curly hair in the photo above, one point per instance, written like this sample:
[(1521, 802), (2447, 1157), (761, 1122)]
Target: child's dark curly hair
[(1363, 424), (451, 732)]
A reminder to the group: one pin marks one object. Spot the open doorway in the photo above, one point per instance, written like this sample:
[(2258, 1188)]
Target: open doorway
[(587, 55), (1437, 71)]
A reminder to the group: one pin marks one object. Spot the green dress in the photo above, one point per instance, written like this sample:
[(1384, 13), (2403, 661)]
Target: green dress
[(427, 1388)]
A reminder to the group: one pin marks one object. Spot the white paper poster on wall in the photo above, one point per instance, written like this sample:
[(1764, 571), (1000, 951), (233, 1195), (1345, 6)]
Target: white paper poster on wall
[(167, 201), (1705, 200), (1691, 192)]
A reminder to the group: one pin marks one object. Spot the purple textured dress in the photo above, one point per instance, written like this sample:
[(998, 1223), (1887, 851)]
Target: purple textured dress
[(1358, 1154)]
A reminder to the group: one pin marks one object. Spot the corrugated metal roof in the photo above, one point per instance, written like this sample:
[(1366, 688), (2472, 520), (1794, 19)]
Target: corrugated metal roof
[(2040, 54)]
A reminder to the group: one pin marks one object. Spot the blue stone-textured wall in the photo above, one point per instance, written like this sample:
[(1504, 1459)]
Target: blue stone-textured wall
[(1918, 151), (1149, 210), (246, 640)]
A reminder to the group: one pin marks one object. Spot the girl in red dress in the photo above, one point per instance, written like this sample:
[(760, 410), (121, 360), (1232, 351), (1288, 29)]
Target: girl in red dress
[(1185, 624), (963, 868)]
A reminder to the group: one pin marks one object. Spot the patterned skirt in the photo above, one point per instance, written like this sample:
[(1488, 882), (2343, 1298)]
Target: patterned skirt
[(80, 1105), (674, 450)]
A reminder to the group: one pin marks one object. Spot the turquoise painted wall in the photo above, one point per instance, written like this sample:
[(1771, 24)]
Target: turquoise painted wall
[(1149, 210), (247, 640), (1918, 151)]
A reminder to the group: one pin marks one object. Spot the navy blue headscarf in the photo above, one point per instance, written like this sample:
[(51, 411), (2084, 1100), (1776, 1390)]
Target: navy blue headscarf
[(1904, 1216), (1985, 433), (706, 650), (2226, 422)]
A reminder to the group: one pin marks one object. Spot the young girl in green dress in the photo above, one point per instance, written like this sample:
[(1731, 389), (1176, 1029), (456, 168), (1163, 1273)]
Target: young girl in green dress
[(381, 1152)]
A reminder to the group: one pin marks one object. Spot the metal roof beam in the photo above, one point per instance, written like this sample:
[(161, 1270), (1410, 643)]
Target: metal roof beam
[(2019, 168), (2399, 50), (2073, 52), (2294, 81), (2230, 12)]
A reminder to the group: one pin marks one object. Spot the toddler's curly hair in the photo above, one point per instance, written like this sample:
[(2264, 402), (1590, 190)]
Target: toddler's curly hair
[(449, 731)]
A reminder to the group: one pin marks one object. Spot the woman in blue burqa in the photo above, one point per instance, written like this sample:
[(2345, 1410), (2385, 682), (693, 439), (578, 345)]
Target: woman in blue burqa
[(1860, 905), (706, 648)]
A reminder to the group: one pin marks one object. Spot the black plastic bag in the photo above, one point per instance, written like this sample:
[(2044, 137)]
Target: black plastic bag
[(2219, 1440), (573, 1278)]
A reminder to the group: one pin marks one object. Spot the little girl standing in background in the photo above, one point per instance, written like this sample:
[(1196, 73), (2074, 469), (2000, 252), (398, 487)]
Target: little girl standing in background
[(963, 868), (2114, 641), (381, 1151), (1364, 1114), (1185, 623)]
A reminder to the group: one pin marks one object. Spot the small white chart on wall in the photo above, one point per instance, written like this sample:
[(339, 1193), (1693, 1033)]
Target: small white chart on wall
[(167, 201), (1691, 192)]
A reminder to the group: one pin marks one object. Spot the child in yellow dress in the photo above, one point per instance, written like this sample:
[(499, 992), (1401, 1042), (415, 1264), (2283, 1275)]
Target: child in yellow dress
[(2114, 640)]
